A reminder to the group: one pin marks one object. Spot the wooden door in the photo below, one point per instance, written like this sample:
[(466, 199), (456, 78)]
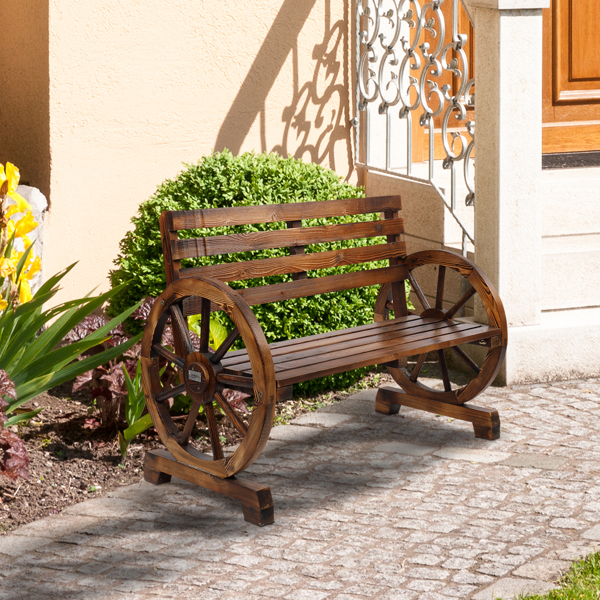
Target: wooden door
[(571, 77)]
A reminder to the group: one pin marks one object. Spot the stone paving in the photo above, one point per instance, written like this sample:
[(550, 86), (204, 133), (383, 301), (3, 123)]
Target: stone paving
[(403, 507)]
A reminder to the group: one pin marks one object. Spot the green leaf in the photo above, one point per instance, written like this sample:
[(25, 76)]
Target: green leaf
[(28, 390), (22, 417), (126, 436)]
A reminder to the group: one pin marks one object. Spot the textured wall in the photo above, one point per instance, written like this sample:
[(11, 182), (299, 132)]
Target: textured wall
[(138, 88), (24, 109)]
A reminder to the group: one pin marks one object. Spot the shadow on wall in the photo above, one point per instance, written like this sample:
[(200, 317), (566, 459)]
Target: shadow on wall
[(317, 120)]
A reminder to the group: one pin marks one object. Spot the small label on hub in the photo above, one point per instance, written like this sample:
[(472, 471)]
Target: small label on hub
[(195, 376)]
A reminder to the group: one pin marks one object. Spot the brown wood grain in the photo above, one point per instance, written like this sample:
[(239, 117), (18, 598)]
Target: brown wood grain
[(262, 240), (346, 345), (322, 285), (267, 267), (486, 421), (570, 101), (256, 499), (371, 330), (231, 414), (297, 251), (272, 213)]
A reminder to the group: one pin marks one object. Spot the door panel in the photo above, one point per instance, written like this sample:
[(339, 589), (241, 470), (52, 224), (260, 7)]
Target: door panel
[(571, 77)]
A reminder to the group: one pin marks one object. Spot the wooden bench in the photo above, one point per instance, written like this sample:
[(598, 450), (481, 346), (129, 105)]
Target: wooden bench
[(268, 372)]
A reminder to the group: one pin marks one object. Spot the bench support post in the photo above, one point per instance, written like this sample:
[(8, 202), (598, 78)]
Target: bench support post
[(486, 421), (256, 499)]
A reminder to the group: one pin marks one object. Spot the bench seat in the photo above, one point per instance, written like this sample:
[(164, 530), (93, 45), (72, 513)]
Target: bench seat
[(382, 342)]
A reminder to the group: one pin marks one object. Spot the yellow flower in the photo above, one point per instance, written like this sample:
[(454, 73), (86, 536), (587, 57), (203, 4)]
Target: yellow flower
[(3, 303), (7, 267), (12, 176), (24, 292), (23, 226), (36, 265), (26, 224)]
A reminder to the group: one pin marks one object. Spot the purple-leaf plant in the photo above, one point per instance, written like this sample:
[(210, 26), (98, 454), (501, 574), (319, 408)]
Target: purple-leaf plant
[(14, 461)]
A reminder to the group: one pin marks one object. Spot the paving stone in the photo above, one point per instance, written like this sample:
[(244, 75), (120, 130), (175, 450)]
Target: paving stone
[(404, 448), (471, 455), (319, 419), (293, 433), (509, 588), (543, 569), (535, 461), (408, 507), (590, 534), (16, 545)]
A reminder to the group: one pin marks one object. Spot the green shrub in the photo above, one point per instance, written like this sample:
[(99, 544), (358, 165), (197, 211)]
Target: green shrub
[(223, 180)]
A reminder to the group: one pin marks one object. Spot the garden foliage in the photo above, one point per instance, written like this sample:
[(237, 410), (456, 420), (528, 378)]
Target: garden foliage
[(14, 461), (224, 180)]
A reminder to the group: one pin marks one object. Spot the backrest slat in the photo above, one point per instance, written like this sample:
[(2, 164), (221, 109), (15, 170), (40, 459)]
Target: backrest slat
[(262, 240), (309, 287), (270, 213), (267, 267)]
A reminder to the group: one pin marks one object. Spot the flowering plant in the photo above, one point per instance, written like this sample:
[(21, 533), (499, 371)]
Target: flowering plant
[(18, 263)]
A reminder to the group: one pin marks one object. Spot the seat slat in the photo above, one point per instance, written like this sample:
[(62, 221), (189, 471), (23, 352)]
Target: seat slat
[(262, 240), (271, 213), (349, 347), (377, 357), (378, 343), (363, 332), (299, 263)]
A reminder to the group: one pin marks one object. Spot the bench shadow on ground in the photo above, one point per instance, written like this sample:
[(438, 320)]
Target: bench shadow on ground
[(312, 471)]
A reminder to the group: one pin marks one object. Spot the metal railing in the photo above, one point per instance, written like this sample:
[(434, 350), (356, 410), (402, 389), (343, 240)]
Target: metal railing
[(409, 67)]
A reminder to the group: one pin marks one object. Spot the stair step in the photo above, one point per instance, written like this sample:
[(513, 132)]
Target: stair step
[(571, 201), (571, 271)]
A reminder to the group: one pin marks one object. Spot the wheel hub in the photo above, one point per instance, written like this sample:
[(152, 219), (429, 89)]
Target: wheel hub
[(199, 377)]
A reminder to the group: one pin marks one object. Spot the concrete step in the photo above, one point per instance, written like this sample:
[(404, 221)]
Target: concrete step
[(571, 271), (571, 201), (565, 345)]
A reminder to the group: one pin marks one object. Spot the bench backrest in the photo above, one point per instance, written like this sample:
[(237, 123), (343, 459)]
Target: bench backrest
[(296, 238)]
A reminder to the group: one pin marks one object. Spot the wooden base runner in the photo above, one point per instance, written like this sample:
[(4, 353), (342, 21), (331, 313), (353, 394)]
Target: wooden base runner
[(256, 499), (486, 421)]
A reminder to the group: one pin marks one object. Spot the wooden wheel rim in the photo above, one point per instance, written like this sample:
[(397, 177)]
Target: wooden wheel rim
[(262, 369), (496, 318)]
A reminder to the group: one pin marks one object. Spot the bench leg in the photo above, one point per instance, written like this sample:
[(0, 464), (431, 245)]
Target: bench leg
[(486, 421), (256, 499)]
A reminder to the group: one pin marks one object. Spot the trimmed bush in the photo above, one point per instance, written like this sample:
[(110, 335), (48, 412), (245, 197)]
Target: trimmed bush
[(223, 180)]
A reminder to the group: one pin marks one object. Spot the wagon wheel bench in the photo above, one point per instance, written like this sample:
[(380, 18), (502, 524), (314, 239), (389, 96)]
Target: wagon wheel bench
[(268, 371)]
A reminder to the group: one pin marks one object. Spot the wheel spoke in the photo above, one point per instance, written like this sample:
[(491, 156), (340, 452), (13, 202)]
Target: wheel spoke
[(461, 303), (467, 359), (162, 351), (439, 297), (166, 394), (444, 370), (213, 432), (204, 324), (235, 380), (418, 367), (418, 291), (189, 422), (224, 347), (230, 412), (181, 327)]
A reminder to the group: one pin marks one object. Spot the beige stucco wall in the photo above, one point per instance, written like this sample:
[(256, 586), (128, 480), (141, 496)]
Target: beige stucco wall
[(24, 92), (138, 88)]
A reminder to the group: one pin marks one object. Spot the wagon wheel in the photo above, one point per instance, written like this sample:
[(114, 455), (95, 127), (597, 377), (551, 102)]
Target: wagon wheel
[(446, 270), (200, 376)]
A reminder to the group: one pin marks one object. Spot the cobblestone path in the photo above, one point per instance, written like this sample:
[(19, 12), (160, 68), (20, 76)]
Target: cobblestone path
[(403, 507)]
